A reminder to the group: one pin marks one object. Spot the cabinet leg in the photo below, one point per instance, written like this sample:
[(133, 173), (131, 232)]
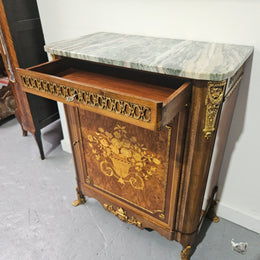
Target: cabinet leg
[(38, 139), (81, 198), (212, 212), (212, 207), (18, 117), (186, 253), (24, 132)]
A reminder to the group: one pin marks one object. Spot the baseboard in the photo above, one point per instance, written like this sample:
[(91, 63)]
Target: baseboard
[(65, 146), (65, 142), (238, 217)]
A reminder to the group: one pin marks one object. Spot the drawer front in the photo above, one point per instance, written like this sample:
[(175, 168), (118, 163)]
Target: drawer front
[(134, 168), (139, 99), (138, 111)]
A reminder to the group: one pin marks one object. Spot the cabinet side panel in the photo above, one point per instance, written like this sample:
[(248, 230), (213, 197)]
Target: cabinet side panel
[(198, 152)]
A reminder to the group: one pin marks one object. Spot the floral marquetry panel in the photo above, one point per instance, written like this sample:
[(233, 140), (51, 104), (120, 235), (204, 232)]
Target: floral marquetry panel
[(126, 161)]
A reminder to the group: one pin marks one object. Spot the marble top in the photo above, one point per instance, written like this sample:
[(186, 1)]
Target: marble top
[(185, 58)]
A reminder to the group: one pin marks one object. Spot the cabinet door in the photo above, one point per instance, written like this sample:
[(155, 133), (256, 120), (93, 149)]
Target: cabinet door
[(133, 168)]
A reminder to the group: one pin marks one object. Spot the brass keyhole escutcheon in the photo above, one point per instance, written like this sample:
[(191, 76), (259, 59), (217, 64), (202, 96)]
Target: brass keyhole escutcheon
[(75, 142)]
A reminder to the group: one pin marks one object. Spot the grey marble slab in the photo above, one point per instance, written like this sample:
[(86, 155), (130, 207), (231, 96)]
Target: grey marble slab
[(185, 58)]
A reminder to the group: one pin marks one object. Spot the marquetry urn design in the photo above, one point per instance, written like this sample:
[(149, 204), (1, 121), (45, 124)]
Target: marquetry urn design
[(121, 156)]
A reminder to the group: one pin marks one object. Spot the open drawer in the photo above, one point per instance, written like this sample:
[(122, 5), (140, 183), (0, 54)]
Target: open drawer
[(140, 98)]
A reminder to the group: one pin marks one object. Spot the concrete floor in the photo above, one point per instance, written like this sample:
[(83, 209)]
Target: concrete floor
[(37, 220)]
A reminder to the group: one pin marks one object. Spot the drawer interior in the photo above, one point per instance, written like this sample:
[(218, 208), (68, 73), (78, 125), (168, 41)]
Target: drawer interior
[(137, 83), (146, 99)]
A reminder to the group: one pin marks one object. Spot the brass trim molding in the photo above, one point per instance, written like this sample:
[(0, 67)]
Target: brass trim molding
[(214, 98), (122, 215), (128, 109)]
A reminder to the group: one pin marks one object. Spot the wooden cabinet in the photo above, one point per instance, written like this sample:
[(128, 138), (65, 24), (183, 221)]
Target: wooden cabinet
[(22, 46), (142, 140), (7, 101)]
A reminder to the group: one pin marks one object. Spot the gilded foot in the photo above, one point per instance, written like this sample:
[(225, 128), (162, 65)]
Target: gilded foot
[(186, 253), (81, 198), (215, 219)]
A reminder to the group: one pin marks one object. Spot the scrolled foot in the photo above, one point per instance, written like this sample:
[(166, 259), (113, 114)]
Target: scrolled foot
[(81, 198), (76, 203), (186, 253), (215, 219)]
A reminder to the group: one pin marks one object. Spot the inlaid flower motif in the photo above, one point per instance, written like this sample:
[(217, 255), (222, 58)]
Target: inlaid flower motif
[(156, 161), (90, 138), (126, 152), (115, 150), (115, 142), (109, 135), (104, 142), (137, 156), (133, 139), (117, 135), (121, 156), (126, 143)]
